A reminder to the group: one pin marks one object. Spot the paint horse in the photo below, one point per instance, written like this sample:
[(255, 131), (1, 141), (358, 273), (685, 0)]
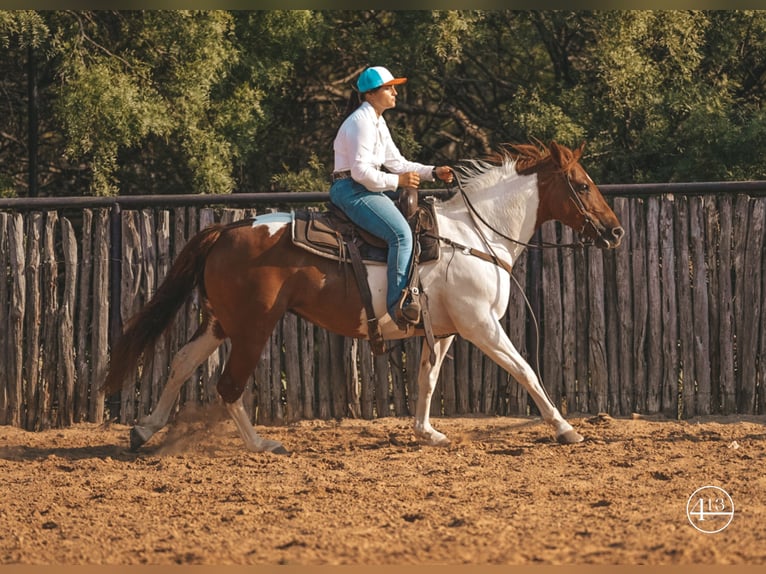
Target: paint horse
[(249, 274)]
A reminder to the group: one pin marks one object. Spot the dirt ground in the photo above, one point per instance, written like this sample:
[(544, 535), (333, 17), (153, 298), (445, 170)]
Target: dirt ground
[(364, 492)]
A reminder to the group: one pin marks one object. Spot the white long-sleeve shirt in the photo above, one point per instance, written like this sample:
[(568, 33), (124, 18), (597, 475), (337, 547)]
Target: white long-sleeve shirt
[(363, 145)]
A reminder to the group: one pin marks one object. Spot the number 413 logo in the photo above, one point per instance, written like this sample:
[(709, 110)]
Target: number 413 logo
[(710, 509)]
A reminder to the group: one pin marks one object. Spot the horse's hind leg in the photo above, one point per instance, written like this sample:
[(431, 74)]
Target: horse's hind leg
[(427, 378), (188, 358), (242, 362)]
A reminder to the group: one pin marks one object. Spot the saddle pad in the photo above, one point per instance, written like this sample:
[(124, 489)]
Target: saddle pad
[(325, 232), (322, 234)]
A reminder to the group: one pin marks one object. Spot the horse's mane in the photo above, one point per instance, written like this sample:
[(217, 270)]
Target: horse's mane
[(528, 157), (512, 159)]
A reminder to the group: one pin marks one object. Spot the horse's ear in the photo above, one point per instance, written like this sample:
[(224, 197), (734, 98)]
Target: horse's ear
[(558, 153), (578, 152)]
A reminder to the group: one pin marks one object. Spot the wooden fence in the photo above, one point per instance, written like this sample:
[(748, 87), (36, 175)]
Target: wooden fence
[(671, 322)]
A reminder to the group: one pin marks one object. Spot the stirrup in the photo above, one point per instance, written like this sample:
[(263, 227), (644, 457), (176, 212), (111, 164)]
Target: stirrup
[(408, 309)]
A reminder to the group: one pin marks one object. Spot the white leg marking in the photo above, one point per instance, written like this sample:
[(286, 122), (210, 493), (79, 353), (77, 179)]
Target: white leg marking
[(252, 440), (492, 340), (428, 375), (188, 358)]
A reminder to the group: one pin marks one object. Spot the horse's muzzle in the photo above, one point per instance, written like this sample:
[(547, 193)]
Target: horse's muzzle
[(610, 238)]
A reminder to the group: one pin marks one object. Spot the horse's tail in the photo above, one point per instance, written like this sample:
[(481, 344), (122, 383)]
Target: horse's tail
[(145, 327)]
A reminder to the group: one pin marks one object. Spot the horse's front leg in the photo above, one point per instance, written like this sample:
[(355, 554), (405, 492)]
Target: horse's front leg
[(493, 341), (427, 378)]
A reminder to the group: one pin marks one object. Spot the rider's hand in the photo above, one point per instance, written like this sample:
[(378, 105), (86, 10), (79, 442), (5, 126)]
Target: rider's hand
[(409, 179), (444, 173)]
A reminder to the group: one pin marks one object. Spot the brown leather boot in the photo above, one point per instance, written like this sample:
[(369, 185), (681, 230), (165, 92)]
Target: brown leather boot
[(407, 311)]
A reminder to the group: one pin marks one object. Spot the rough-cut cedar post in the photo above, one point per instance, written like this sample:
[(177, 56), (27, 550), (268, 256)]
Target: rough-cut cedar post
[(50, 333), (275, 376), (489, 394), (670, 369), (715, 346), (741, 307), (148, 286), (34, 225), (517, 332), (624, 285), (412, 349), (16, 319), (685, 314), (262, 392), (752, 314), (582, 366), (597, 337), (351, 365), (162, 262), (366, 375), (726, 308), (308, 383), (612, 320), (66, 364), (462, 374), (550, 317), (4, 327), (178, 330), (324, 384), (640, 304), (130, 304), (100, 327), (84, 308), (478, 379), (700, 298), (211, 369), (292, 367), (382, 385), (654, 302), (337, 375), (195, 221), (443, 398), (397, 379), (568, 321)]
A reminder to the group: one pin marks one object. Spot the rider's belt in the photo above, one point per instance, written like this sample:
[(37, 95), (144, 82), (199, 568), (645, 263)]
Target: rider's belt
[(336, 175)]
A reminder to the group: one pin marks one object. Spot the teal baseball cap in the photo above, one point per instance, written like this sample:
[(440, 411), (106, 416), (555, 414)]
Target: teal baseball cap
[(375, 77)]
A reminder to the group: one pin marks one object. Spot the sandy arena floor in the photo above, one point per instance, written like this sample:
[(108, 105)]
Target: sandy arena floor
[(364, 492)]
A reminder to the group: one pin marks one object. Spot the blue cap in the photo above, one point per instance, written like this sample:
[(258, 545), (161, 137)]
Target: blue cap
[(376, 77)]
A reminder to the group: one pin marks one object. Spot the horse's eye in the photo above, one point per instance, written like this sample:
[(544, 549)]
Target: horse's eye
[(583, 188)]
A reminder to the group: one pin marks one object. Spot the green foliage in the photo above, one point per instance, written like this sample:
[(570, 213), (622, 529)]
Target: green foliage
[(218, 101)]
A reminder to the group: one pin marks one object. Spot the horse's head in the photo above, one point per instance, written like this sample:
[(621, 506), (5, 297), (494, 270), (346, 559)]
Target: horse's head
[(568, 194)]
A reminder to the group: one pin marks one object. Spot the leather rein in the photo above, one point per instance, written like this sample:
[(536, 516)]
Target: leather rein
[(492, 256)]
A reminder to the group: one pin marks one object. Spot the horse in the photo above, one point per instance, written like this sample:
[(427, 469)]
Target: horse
[(249, 273)]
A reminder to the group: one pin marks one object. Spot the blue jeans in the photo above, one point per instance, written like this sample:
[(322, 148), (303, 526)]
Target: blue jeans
[(376, 213)]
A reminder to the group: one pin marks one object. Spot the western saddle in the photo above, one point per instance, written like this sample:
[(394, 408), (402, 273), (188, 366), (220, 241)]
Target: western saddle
[(331, 234)]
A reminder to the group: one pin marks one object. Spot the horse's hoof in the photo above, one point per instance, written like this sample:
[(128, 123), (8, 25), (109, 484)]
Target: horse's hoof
[(137, 440), (280, 450), (570, 437)]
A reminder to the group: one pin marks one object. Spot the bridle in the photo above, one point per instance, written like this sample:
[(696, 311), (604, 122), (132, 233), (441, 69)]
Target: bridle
[(582, 210), (492, 256)]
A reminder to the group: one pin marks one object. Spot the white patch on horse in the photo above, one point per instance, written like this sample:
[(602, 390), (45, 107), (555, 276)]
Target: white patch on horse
[(274, 222)]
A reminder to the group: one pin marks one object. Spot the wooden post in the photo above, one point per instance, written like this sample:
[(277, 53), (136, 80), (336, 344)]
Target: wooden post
[(726, 317), (654, 307), (34, 227), (18, 301), (84, 309), (100, 327), (670, 371), (66, 350), (4, 318), (686, 316), (50, 334), (640, 303), (550, 318)]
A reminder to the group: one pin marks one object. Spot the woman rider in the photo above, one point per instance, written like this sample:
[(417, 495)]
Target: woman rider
[(363, 146)]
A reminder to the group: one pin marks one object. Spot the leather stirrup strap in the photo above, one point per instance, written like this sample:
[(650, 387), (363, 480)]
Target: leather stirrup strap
[(360, 271)]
